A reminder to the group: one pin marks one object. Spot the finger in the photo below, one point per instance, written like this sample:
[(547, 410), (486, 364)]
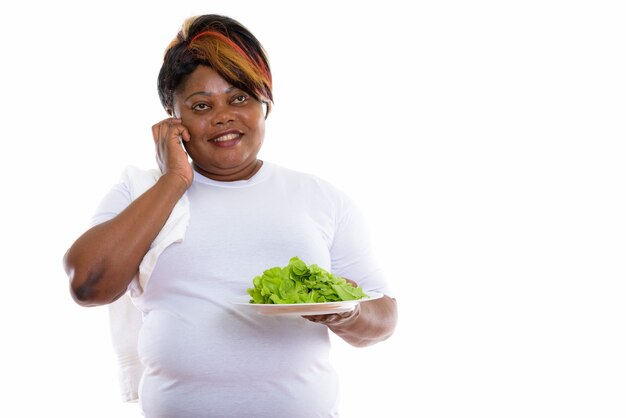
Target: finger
[(352, 282), (161, 130), (332, 319), (160, 135), (155, 132), (185, 135), (322, 319), (176, 133), (312, 318)]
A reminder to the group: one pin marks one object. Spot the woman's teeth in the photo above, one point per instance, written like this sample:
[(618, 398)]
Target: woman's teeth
[(227, 137)]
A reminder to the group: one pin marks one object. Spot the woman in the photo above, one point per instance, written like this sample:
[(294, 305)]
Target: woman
[(186, 240)]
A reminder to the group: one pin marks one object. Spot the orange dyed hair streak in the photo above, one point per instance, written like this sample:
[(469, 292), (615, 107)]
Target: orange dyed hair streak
[(224, 45)]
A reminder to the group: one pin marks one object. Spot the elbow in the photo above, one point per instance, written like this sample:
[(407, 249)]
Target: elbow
[(81, 300), (85, 292), (84, 295), (85, 285), (79, 290)]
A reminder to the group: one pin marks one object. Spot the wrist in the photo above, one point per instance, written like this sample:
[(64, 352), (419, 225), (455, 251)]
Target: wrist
[(176, 181), (347, 320)]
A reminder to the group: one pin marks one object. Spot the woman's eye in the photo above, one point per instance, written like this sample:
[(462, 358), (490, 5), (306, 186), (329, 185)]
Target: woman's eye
[(201, 106), (240, 99)]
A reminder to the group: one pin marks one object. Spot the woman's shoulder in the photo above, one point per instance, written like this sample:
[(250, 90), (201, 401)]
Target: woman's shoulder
[(313, 185)]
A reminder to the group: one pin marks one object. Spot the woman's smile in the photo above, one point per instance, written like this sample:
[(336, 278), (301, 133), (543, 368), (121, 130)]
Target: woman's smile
[(227, 139), (226, 125)]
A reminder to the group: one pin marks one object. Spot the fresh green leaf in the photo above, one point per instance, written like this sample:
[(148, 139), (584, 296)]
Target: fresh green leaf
[(298, 283)]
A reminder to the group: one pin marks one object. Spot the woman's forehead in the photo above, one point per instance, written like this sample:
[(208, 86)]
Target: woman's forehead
[(204, 81)]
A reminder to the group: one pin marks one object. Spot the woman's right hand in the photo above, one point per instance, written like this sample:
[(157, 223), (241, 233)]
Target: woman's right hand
[(170, 154)]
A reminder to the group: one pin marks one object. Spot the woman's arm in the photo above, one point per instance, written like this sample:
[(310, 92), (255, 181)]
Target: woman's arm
[(370, 322), (103, 261)]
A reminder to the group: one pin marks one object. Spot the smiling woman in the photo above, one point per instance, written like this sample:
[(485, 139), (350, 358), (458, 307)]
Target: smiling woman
[(172, 249)]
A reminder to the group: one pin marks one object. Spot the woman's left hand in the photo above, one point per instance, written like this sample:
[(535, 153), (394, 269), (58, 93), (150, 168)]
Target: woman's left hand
[(368, 323), (338, 318), (334, 319)]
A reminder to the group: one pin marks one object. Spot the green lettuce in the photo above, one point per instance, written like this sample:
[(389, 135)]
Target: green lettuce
[(299, 283)]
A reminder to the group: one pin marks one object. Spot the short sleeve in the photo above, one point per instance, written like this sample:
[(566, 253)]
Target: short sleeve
[(114, 202), (352, 255)]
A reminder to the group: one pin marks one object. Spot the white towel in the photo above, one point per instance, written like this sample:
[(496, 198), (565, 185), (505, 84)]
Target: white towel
[(124, 318)]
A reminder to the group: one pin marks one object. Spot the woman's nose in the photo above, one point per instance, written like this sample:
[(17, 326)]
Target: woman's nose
[(222, 115)]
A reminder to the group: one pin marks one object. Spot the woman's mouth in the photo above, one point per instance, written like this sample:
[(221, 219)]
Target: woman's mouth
[(227, 140)]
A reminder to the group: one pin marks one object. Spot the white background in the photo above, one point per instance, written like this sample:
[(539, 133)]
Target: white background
[(483, 140)]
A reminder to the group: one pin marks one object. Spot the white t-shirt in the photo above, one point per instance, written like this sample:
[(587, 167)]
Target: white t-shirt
[(205, 356)]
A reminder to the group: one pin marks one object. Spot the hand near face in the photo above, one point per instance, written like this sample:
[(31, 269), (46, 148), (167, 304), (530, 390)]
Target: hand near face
[(170, 154)]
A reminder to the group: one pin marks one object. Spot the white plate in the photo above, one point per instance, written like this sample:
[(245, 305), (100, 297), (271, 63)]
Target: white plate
[(303, 308)]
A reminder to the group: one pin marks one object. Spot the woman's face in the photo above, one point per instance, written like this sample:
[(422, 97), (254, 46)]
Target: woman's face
[(226, 125)]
